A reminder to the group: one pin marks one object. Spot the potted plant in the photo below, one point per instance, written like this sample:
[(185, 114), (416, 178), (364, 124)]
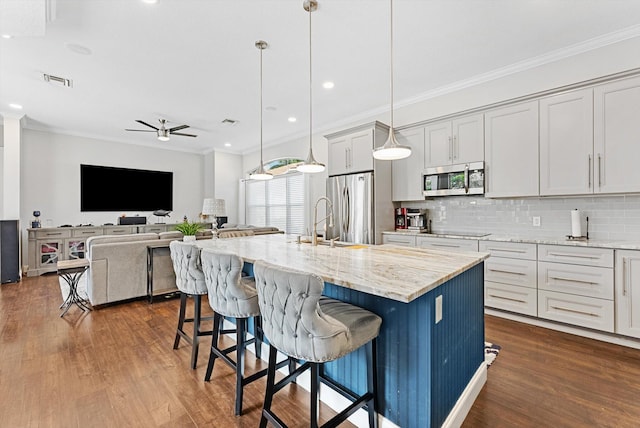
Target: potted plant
[(189, 230)]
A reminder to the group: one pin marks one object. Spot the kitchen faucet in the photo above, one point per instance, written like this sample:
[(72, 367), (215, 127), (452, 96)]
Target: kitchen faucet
[(315, 219)]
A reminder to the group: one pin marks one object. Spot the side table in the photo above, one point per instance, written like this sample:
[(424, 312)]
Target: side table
[(71, 271), (165, 284)]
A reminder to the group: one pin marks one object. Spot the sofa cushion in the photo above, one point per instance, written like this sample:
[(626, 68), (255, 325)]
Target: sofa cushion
[(107, 239)]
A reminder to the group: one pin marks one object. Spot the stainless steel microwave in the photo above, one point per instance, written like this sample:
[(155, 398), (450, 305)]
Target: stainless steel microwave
[(460, 179)]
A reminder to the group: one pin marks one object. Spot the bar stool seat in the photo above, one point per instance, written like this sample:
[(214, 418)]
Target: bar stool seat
[(301, 323), (190, 281), (232, 296)]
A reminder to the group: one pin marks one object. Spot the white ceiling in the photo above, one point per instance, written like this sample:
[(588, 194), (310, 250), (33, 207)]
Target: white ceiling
[(194, 61)]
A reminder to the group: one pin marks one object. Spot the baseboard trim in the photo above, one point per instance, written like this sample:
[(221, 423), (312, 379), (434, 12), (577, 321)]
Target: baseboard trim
[(578, 331), (467, 398)]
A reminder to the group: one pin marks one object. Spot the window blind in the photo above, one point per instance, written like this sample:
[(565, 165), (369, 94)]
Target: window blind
[(278, 202)]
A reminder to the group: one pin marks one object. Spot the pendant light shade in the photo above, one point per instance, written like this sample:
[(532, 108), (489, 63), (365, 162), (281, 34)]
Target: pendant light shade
[(260, 173), (391, 149), (310, 165)]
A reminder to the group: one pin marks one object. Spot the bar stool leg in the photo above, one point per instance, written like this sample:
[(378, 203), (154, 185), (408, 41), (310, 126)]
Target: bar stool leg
[(197, 299), (258, 334), (241, 339), (315, 385), (271, 380), (183, 304), (217, 321), (372, 381)]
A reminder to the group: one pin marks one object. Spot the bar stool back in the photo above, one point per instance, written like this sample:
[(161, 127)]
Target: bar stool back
[(301, 323), (190, 281), (230, 295)]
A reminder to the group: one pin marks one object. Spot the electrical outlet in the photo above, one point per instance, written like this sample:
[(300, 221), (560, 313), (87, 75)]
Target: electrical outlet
[(438, 309), (536, 221)]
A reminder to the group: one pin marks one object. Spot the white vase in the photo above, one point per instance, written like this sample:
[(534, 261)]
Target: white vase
[(189, 238)]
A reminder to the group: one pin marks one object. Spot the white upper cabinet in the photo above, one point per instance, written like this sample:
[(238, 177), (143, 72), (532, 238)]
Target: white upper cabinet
[(457, 141), (511, 151), (617, 136), (566, 144), (351, 150), (406, 174)]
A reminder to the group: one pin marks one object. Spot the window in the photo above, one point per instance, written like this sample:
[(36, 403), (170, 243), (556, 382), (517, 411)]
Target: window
[(278, 202)]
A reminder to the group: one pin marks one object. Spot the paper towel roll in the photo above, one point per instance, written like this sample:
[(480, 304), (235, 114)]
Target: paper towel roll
[(576, 223)]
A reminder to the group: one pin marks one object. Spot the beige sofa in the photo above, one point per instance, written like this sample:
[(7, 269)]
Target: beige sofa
[(118, 266)]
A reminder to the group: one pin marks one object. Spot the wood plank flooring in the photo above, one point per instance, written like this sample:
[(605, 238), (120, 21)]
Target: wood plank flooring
[(116, 367)]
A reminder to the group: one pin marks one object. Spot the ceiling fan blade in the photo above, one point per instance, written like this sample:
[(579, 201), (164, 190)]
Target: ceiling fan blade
[(183, 135), (177, 128), (146, 124), (139, 130)]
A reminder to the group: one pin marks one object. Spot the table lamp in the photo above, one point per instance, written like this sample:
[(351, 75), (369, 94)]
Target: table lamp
[(215, 208)]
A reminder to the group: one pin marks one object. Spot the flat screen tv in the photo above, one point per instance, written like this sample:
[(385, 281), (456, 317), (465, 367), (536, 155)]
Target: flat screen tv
[(105, 188)]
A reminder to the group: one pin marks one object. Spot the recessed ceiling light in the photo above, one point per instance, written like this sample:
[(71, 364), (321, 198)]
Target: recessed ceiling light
[(328, 85), (227, 144), (15, 106), (79, 49), (150, 1), (292, 119), (7, 36)]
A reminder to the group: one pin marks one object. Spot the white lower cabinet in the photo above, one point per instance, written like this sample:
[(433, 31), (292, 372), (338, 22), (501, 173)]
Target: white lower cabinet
[(510, 277), (578, 310), (447, 244), (628, 293), (575, 286), (399, 239)]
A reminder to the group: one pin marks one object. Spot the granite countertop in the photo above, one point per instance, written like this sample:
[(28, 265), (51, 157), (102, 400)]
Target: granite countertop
[(528, 239), (398, 273)]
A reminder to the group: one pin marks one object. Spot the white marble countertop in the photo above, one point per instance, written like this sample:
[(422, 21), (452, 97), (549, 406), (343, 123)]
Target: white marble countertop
[(394, 272), (550, 240)]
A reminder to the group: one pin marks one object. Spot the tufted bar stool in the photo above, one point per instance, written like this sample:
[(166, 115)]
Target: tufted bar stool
[(232, 296), (190, 281), (301, 323)]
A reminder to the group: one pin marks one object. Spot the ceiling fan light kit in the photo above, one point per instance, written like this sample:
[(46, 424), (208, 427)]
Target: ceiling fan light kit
[(162, 132), (260, 173), (311, 165), (391, 149)]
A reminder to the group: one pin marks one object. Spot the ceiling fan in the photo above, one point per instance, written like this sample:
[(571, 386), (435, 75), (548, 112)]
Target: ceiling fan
[(163, 132)]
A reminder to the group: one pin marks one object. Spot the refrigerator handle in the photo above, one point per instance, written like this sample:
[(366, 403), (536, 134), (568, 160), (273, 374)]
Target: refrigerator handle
[(348, 209)]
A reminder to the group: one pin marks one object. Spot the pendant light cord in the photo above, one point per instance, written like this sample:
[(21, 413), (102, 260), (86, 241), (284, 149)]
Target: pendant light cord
[(261, 160), (391, 62), (310, 87)]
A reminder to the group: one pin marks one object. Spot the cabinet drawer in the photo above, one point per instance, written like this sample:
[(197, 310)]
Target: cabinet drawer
[(408, 241), (447, 244), (510, 271), (153, 229), (578, 310), (86, 232), (119, 230), (512, 298), (580, 280), (53, 233), (512, 250), (602, 257)]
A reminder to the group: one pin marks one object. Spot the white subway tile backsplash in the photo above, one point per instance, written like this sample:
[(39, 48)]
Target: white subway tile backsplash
[(610, 217)]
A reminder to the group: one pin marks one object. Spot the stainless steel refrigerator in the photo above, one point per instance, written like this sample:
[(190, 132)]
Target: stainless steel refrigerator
[(352, 197)]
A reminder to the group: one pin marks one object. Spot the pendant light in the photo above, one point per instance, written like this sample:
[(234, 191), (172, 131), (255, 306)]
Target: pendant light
[(260, 173), (310, 165), (391, 149)]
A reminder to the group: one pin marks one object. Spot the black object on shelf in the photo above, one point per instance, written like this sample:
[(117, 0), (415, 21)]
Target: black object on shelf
[(9, 251), (128, 221)]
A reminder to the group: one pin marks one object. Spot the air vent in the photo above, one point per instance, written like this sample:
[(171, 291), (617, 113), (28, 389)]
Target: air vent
[(229, 122), (58, 80)]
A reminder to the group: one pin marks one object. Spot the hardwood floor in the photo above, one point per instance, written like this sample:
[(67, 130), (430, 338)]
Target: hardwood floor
[(116, 367)]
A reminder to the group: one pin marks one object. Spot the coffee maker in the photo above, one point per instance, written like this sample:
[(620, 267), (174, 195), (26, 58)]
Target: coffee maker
[(417, 220), (401, 219)]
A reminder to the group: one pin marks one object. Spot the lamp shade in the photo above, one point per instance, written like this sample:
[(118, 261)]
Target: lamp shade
[(215, 207)]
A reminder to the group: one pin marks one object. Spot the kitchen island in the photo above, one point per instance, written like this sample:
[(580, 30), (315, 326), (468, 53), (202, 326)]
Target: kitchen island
[(430, 370)]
